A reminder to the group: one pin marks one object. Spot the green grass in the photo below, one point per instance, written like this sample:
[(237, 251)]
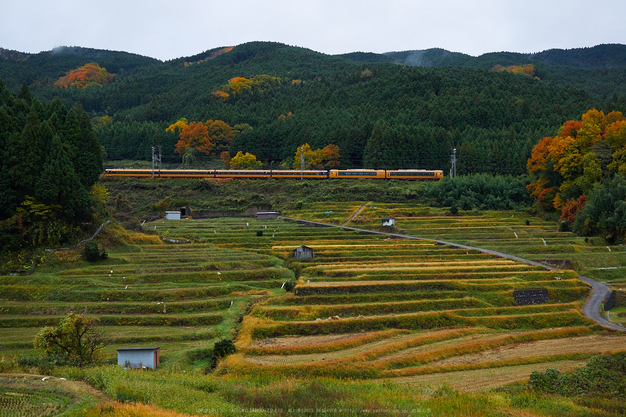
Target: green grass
[(358, 284)]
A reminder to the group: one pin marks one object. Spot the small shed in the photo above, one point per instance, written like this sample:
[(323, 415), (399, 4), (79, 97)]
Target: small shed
[(303, 252), (172, 215), (262, 215), (141, 357), (389, 221)]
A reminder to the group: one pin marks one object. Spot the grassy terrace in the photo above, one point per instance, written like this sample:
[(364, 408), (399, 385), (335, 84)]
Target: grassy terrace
[(179, 297), (368, 309), (503, 231), (372, 307)]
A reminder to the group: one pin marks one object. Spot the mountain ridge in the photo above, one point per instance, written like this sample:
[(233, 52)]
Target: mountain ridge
[(414, 115), (598, 56)]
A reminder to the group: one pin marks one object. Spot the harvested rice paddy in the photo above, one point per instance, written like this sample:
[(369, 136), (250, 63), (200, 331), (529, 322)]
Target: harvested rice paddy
[(368, 306), (365, 307)]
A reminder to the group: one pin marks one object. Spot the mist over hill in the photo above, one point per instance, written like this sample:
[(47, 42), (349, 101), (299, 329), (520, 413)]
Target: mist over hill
[(600, 56)]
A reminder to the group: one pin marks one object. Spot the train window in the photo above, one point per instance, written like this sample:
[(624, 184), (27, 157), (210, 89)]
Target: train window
[(356, 174), (412, 174)]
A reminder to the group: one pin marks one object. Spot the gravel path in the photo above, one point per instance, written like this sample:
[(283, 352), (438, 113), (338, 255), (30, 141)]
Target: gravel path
[(355, 214), (590, 309)]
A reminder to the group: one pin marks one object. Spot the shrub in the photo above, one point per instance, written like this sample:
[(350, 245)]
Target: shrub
[(224, 348), (220, 350), (92, 252), (564, 226), (603, 376)]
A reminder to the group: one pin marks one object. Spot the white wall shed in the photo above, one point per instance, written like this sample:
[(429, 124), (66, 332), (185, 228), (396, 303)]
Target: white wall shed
[(138, 357)]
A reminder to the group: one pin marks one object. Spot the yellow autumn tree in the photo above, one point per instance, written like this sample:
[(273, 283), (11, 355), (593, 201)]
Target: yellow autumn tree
[(566, 167), (312, 158), (327, 157), (244, 161)]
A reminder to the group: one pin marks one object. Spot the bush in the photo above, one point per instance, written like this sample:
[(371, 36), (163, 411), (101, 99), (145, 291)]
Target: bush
[(224, 348), (603, 376), (92, 252), (483, 191), (221, 349)]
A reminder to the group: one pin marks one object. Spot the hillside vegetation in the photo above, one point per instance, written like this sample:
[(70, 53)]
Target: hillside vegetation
[(50, 161), (413, 115)]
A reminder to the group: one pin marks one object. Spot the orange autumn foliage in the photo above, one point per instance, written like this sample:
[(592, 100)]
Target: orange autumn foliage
[(327, 157), (572, 207), (214, 135), (194, 135), (220, 95), (212, 55), (330, 156), (88, 75), (564, 167), (528, 69)]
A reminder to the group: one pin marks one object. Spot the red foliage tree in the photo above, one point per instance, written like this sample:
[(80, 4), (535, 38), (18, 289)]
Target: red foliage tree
[(194, 135), (564, 168), (88, 75)]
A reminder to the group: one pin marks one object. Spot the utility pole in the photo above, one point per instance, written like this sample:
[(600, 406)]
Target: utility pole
[(156, 159), (302, 163), (159, 160), (453, 166)]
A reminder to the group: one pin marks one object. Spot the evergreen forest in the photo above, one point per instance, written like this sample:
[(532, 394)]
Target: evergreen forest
[(50, 162), (392, 114)]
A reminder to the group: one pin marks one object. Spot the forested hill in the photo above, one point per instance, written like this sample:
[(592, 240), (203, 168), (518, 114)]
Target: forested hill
[(46, 67), (600, 56), (279, 97), (599, 70)]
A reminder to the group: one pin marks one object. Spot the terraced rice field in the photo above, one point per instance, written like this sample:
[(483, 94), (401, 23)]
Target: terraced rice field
[(368, 306), (506, 232), (178, 297)]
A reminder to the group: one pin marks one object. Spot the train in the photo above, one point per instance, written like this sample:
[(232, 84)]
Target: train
[(399, 174)]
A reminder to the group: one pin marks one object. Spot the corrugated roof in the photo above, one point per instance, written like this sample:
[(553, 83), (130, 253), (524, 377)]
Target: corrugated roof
[(140, 348)]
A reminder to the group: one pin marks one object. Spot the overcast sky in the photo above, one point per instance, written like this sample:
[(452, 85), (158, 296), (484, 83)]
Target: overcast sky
[(167, 29)]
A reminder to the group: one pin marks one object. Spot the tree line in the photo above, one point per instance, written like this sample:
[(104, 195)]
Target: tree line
[(290, 96), (50, 160), (581, 173)]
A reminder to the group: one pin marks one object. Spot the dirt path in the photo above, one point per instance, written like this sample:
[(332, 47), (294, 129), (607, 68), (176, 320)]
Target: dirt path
[(600, 291), (355, 214)]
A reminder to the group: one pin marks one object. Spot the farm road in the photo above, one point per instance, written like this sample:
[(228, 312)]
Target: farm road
[(355, 214), (590, 309)]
